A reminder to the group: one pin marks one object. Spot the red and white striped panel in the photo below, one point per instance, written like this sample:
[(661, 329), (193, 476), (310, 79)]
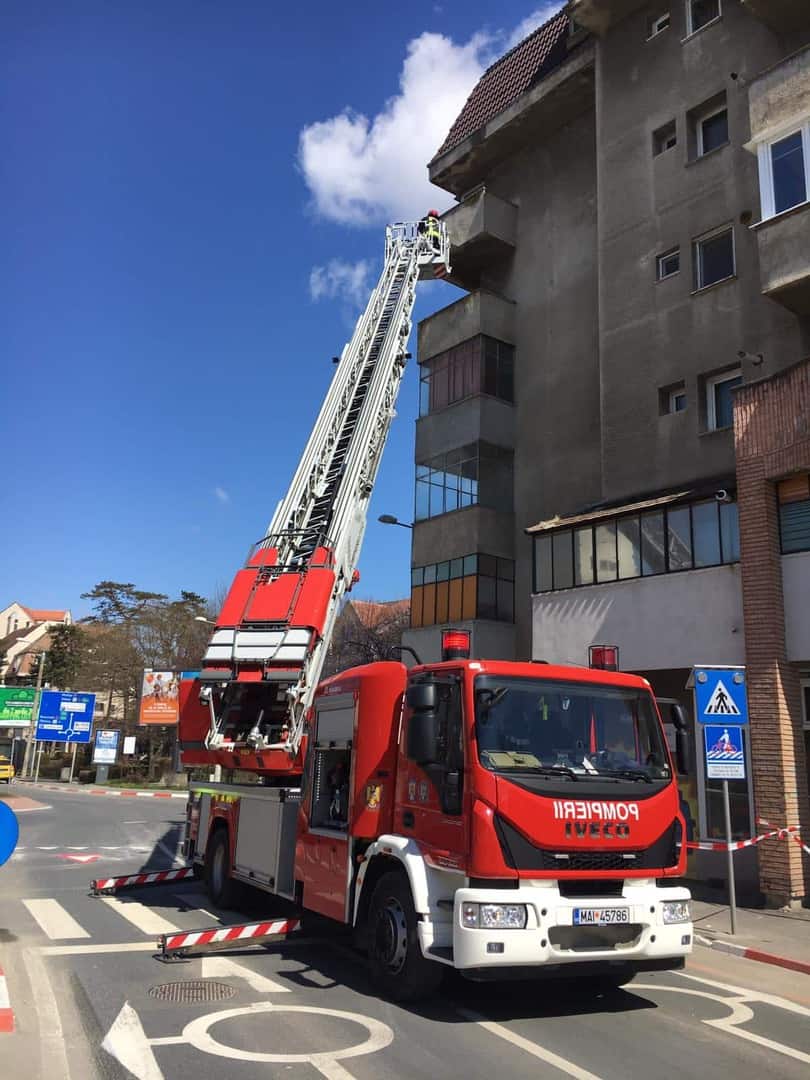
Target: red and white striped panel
[(780, 834), (6, 1012), (142, 879), (216, 934)]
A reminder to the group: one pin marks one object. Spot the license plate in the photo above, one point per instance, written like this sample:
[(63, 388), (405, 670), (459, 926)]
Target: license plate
[(605, 916)]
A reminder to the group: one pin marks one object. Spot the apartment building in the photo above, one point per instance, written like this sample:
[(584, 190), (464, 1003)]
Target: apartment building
[(633, 231)]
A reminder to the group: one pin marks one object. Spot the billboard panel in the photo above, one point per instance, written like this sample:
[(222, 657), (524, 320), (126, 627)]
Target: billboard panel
[(159, 703), (16, 706)]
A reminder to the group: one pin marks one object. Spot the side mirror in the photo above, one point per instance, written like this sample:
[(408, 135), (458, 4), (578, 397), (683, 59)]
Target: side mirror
[(682, 751), (680, 717), (421, 696), (423, 737)]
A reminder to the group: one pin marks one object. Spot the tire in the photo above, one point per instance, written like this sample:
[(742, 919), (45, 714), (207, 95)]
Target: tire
[(398, 968), (220, 886)]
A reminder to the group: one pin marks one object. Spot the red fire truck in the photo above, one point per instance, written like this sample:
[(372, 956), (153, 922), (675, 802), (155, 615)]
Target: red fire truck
[(498, 818)]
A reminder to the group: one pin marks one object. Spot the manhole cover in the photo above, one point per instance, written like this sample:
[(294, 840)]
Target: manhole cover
[(193, 992)]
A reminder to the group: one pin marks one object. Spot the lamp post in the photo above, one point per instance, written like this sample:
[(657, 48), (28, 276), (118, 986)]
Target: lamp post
[(389, 519)]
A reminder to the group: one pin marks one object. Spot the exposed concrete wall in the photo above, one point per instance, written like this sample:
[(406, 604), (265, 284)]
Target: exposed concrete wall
[(671, 621), (780, 95), (796, 589), (478, 313), (784, 256), (480, 417), (654, 334), (489, 640), (464, 532)]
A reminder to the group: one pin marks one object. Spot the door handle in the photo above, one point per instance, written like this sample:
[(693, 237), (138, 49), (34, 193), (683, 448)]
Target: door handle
[(407, 819)]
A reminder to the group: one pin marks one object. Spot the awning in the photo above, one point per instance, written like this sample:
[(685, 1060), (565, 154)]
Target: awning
[(609, 512)]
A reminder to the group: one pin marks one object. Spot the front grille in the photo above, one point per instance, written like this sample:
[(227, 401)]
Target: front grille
[(588, 938), (589, 860), (521, 854)]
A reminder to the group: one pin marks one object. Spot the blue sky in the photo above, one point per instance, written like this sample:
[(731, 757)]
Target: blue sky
[(195, 196)]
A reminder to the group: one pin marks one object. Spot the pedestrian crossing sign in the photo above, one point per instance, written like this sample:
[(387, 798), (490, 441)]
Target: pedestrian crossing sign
[(720, 695)]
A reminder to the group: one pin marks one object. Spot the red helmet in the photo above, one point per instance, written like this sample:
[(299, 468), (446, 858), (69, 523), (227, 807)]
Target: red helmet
[(433, 213)]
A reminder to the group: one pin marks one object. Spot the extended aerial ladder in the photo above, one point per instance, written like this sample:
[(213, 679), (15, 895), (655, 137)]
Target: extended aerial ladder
[(247, 708)]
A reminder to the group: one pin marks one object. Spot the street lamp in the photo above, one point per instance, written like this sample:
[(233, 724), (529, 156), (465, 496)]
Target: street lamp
[(202, 618), (389, 519)]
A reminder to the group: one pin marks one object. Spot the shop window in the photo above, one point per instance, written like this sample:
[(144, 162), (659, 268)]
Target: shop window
[(583, 557), (563, 555), (706, 533), (606, 551), (628, 544), (653, 544), (679, 555)]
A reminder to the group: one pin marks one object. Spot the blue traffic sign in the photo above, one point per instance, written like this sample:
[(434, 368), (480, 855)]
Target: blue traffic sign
[(720, 695), (725, 751), (65, 716), (9, 832), (106, 749)]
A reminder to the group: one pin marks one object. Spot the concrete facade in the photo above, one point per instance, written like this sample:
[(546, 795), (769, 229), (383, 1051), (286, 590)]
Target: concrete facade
[(567, 200)]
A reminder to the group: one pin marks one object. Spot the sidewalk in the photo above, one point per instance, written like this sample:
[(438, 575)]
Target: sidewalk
[(772, 937)]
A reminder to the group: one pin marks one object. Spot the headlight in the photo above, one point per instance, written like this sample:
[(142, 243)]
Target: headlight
[(494, 916), (675, 911)]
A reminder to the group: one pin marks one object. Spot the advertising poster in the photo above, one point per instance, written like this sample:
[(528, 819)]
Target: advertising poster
[(16, 706), (159, 703), (105, 750)]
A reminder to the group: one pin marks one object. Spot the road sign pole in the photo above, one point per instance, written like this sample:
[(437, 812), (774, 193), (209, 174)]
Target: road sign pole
[(29, 739), (732, 891), (39, 759), (72, 764)]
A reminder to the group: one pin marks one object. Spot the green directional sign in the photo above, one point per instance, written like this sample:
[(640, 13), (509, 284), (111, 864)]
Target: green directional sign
[(16, 705)]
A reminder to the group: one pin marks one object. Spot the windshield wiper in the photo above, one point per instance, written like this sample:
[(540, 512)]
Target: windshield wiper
[(629, 774), (544, 770)]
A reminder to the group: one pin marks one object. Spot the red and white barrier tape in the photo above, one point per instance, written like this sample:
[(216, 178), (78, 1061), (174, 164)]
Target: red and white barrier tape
[(789, 832), (215, 935), (141, 879)]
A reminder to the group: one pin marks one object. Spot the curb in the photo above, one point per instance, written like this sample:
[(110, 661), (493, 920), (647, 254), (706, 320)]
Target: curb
[(6, 1012), (124, 792), (754, 954)]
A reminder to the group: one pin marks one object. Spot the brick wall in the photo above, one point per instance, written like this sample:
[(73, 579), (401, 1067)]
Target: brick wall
[(772, 440)]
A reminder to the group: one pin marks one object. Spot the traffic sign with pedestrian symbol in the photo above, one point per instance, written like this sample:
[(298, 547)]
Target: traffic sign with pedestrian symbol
[(720, 695)]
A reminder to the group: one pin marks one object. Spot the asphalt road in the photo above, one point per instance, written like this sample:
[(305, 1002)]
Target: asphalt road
[(90, 1000)]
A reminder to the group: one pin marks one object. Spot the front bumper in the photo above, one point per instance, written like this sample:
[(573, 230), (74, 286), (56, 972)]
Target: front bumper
[(550, 936)]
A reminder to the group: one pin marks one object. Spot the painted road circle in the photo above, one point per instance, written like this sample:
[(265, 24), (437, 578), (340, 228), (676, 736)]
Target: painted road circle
[(197, 1033), (9, 832)]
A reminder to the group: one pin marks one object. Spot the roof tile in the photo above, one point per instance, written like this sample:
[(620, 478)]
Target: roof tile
[(508, 78)]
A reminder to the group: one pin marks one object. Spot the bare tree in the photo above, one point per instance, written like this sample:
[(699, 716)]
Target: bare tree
[(366, 631)]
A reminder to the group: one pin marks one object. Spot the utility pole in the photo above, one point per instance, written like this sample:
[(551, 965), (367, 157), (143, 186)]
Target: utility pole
[(26, 769)]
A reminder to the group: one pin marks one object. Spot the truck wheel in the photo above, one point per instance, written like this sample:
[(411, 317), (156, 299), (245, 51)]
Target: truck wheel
[(220, 886), (395, 959)]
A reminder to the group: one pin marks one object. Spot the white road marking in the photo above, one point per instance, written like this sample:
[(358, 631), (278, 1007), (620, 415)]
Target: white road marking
[(217, 967), (192, 900), (173, 855), (532, 1048), (53, 1053), (739, 1012), (126, 1041), (146, 920), (57, 923), (135, 823), (751, 995), (89, 950)]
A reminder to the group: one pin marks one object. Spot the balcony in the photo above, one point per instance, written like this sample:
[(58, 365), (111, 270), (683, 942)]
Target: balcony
[(481, 312), (784, 258), (599, 15), (483, 231), (781, 15)]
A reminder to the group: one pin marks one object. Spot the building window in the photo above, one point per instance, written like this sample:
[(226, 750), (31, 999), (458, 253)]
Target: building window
[(657, 25), (664, 138), (677, 400), (481, 365), (700, 13), (711, 131), (714, 257), (470, 587), (784, 172), (794, 514), (669, 263), (475, 474), (690, 535), (720, 399)]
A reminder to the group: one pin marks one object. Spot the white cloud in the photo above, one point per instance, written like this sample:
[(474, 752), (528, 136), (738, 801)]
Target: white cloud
[(342, 280), (222, 494), (540, 15), (364, 170)]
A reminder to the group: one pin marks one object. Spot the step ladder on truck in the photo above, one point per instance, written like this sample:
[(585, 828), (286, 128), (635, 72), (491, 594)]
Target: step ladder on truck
[(504, 819)]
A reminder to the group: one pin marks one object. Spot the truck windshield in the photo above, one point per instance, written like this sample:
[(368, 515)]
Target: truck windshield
[(572, 730)]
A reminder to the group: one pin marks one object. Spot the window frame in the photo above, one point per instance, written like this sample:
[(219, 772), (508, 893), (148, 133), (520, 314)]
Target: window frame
[(679, 392), (659, 136), (655, 27), (699, 119), (660, 276), (700, 286), (712, 382), (804, 685), (767, 193), (690, 27)]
